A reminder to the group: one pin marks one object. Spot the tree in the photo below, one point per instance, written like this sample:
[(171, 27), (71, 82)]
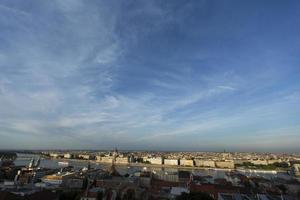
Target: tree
[(283, 188), (69, 195), (99, 195), (194, 196)]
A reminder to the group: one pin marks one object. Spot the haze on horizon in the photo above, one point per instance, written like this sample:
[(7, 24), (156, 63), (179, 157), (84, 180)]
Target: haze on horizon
[(161, 75)]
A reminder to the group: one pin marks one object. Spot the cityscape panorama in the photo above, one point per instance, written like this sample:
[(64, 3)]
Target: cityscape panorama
[(150, 100)]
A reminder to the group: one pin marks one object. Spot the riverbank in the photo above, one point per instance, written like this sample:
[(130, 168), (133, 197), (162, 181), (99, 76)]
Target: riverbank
[(142, 165)]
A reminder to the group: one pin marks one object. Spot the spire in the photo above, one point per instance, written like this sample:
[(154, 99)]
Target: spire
[(115, 154), (112, 170)]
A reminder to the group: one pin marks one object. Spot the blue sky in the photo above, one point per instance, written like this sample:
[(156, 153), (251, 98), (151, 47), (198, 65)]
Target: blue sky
[(161, 75)]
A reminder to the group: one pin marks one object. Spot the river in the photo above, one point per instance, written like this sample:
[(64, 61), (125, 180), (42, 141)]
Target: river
[(24, 159)]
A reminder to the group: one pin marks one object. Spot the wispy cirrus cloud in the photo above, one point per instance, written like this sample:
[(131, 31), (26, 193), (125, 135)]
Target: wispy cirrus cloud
[(136, 75)]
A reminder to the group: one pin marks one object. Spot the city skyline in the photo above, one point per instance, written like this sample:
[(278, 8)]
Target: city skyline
[(152, 75)]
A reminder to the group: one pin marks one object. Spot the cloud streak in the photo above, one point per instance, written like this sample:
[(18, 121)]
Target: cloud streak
[(101, 75)]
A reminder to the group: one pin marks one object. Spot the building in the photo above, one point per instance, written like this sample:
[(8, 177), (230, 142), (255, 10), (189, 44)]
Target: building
[(122, 160), (240, 161), (205, 163), (98, 158), (259, 162), (270, 162), (145, 179), (56, 155), (57, 179), (85, 156), (296, 169), (171, 162), (156, 160), (185, 162), (106, 159), (68, 156), (225, 164)]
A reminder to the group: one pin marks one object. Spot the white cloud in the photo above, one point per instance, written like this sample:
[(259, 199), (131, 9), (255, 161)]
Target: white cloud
[(225, 87), (61, 79)]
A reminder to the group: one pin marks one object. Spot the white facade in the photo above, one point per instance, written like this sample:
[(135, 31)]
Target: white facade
[(105, 159), (84, 156), (156, 161), (123, 160), (55, 155), (171, 162), (68, 156)]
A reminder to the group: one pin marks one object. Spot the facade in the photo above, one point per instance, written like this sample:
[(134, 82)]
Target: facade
[(205, 163), (57, 179), (122, 160), (55, 155), (156, 160), (240, 161), (296, 169), (274, 161), (259, 162), (171, 162), (107, 159), (68, 156), (84, 156), (185, 162), (98, 158), (225, 164)]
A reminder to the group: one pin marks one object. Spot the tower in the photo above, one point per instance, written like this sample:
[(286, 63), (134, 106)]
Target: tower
[(112, 170)]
